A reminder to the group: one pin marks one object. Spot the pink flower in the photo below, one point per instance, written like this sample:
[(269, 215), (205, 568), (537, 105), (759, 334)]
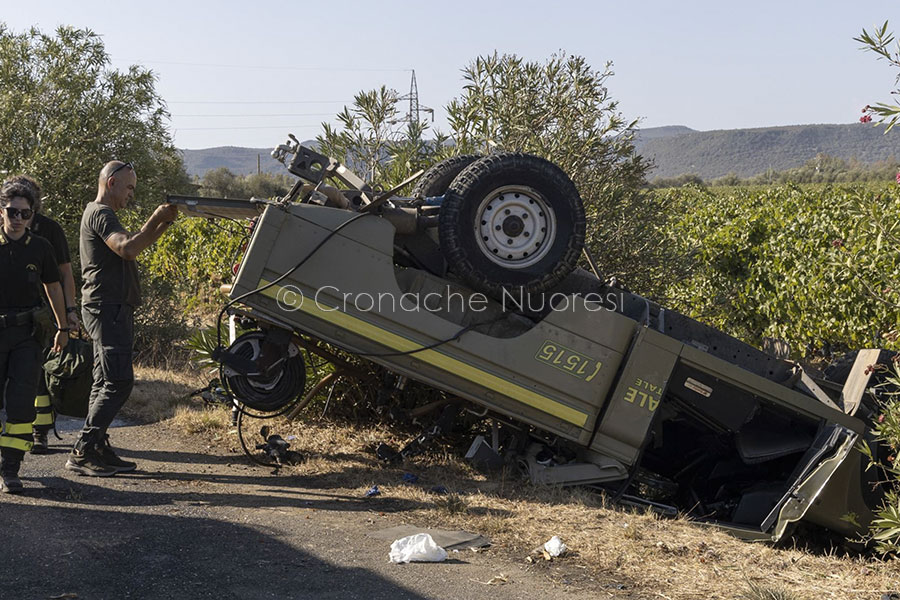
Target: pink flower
[(865, 118), (898, 176)]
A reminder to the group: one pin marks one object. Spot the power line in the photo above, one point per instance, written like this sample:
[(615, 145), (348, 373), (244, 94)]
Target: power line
[(271, 67), (249, 127), (258, 102), (265, 115)]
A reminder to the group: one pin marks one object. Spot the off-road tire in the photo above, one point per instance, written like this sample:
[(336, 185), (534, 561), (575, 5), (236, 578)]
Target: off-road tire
[(439, 176), (522, 186)]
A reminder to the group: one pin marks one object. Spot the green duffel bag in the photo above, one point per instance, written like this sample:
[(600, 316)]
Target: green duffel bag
[(69, 376)]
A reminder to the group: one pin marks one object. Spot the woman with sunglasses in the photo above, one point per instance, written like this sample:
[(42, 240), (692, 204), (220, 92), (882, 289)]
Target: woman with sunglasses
[(26, 262), (51, 231)]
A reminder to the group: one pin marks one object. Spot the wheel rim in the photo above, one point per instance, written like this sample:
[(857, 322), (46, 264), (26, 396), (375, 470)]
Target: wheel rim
[(515, 226)]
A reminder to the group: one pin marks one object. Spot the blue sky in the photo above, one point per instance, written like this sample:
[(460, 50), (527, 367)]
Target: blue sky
[(703, 64)]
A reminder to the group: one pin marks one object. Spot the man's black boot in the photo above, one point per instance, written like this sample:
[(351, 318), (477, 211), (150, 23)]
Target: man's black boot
[(86, 460), (110, 458), (41, 445), (9, 476)]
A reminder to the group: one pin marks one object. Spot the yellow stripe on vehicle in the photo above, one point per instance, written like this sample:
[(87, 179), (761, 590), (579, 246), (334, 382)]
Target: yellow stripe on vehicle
[(433, 357), (18, 428), (16, 443)]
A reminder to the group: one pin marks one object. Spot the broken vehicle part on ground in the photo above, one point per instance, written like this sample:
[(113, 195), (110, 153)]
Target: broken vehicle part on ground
[(471, 287)]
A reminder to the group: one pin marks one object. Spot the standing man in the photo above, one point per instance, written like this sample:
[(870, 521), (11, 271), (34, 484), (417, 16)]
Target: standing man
[(51, 231), (109, 294), (26, 262)]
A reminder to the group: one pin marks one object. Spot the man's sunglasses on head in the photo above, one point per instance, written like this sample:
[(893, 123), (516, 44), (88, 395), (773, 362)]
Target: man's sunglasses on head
[(127, 165), (13, 212)]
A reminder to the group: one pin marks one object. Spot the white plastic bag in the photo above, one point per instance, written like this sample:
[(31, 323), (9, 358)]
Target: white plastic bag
[(416, 548), (555, 547)]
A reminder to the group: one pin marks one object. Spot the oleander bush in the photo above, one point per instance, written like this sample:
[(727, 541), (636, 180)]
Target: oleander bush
[(816, 266)]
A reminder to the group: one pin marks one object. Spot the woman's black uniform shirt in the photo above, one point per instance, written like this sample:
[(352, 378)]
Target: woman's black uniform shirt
[(25, 264)]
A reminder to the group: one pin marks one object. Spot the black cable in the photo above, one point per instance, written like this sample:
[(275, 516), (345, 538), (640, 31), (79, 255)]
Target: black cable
[(246, 449), (263, 415), (245, 234), (236, 257), (428, 347), (225, 229), (283, 275), (223, 380), (314, 364)]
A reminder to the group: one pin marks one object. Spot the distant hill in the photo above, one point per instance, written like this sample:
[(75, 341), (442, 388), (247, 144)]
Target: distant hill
[(678, 150), (654, 133), (675, 150), (238, 160), (241, 161)]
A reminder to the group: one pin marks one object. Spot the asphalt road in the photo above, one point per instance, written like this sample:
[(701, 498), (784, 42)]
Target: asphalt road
[(195, 522)]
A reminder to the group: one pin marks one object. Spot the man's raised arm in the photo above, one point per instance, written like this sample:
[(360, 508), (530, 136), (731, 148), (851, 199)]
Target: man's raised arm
[(129, 245)]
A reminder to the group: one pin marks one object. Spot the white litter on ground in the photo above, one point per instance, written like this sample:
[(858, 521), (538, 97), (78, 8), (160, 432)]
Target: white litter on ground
[(555, 547), (416, 548)]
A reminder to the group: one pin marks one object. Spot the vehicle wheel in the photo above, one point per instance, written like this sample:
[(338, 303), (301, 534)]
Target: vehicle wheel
[(438, 177), (424, 250), (267, 392), (512, 221)]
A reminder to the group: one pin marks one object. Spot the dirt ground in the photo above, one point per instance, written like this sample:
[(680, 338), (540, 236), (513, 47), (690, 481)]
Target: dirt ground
[(200, 520), (197, 521)]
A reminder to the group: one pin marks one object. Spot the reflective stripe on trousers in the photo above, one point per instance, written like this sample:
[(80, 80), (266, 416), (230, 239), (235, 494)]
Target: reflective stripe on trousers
[(17, 436), (43, 410)]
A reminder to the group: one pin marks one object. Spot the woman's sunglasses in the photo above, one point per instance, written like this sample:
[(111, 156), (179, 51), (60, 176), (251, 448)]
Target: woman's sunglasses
[(13, 212)]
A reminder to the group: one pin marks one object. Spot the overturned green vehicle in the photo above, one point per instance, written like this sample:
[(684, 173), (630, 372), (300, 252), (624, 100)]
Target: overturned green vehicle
[(470, 286)]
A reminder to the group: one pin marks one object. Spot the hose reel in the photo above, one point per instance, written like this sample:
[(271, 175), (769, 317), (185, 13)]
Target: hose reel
[(264, 370)]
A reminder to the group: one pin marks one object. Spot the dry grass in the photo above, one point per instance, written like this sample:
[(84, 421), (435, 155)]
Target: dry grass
[(195, 420), (161, 394), (158, 393), (650, 556), (761, 592), (622, 553)]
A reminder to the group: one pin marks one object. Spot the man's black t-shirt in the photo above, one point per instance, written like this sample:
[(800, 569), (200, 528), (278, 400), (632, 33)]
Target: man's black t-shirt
[(108, 278), (51, 231), (25, 263)]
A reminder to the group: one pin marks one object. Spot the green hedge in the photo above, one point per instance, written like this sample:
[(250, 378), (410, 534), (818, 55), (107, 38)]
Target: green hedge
[(813, 265), (196, 256)]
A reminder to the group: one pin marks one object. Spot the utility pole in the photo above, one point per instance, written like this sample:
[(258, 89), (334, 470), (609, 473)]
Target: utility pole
[(413, 99), (414, 107)]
